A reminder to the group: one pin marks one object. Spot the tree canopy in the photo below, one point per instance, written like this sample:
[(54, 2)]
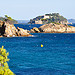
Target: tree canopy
[(4, 68)]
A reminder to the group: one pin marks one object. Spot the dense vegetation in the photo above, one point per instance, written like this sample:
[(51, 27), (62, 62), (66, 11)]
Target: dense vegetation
[(4, 68), (8, 19), (54, 17)]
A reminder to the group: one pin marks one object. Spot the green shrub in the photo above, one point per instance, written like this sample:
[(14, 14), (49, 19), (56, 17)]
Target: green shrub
[(43, 19), (69, 26), (55, 23), (4, 68)]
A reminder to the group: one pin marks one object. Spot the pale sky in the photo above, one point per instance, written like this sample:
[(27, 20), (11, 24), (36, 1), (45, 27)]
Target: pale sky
[(28, 9)]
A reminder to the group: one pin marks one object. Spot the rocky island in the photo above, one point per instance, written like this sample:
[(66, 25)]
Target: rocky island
[(48, 18), (53, 28)]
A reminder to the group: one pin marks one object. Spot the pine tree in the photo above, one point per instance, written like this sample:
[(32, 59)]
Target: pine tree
[(4, 68)]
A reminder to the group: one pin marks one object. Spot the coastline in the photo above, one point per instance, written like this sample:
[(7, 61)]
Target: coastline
[(53, 28)]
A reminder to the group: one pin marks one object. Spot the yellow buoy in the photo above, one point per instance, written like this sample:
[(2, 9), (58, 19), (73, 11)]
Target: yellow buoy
[(41, 45)]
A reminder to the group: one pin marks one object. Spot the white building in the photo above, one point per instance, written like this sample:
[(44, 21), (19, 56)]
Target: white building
[(46, 16), (38, 22)]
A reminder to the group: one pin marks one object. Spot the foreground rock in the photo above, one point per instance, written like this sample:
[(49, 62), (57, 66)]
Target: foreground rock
[(22, 32), (8, 30), (53, 28)]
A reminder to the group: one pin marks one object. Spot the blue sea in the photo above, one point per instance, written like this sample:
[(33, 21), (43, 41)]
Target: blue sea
[(27, 57)]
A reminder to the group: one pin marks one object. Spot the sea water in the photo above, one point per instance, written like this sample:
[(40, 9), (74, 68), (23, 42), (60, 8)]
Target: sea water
[(27, 57)]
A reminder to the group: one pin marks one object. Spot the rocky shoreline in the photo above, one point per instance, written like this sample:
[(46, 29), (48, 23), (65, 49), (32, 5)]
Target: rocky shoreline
[(53, 28), (9, 30)]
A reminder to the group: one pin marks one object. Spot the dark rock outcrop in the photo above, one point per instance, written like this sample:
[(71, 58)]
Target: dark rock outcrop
[(35, 30), (2, 28)]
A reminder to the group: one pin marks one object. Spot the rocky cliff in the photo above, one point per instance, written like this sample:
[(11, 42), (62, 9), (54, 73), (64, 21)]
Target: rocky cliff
[(53, 28), (9, 30), (10, 21)]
